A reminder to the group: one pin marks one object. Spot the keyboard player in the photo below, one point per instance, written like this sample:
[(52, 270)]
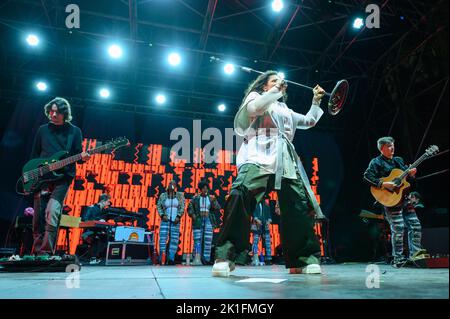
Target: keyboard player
[(96, 238)]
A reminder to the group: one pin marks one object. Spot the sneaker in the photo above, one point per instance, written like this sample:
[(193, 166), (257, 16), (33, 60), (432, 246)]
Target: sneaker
[(420, 254), (309, 269), (399, 263), (221, 269), (255, 260), (14, 258), (94, 261)]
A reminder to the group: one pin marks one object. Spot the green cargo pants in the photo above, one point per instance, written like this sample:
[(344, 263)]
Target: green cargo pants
[(298, 241)]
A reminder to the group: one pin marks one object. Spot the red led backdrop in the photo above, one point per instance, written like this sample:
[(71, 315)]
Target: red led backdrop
[(134, 176)]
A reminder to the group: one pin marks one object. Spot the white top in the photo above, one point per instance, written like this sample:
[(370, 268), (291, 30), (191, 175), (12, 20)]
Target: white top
[(205, 204), (265, 114), (171, 208)]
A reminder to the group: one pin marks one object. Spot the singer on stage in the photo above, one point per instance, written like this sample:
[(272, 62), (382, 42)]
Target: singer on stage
[(267, 161)]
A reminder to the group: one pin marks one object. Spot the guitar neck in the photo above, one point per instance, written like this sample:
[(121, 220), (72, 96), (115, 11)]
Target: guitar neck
[(413, 165), (75, 158)]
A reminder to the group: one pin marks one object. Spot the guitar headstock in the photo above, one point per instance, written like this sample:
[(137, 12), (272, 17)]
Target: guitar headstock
[(431, 150), (119, 142)]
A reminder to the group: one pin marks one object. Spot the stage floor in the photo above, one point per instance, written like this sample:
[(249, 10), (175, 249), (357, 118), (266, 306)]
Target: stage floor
[(339, 281)]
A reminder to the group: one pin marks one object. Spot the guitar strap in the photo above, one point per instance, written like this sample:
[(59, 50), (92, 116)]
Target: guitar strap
[(70, 138)]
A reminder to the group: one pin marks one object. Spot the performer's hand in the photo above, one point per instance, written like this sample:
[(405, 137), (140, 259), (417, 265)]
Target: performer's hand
[(281, 85), (389, 185), (177, 220), (85, 156), (258, 222), (413, 172), (165, 218), (318, 94)]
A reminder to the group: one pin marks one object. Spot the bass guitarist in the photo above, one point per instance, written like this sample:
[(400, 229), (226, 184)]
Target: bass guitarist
[(57, 135), (398, 216)]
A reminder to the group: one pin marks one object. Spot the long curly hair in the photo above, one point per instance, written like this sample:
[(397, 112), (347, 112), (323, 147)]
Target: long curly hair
[(258, 85), (63, 107)]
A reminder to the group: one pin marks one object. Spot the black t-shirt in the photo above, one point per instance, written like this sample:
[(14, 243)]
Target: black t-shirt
[(51, 138)]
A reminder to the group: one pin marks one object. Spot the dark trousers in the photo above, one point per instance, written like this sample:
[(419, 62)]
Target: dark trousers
[(300, 245), (47, 213)]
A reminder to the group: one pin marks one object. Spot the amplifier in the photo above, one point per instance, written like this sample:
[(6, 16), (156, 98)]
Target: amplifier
[(126, 233), (128, 253)]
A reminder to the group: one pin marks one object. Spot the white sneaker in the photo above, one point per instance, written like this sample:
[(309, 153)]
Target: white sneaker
[(221, 269), (310, 269)]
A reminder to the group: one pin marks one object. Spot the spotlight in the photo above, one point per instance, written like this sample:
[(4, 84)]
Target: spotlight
[(41, 86), (277, 5), (228, 68), (160, 99), (358, 23), (104, 93), (222, 107), (32, 40), (115, 51), (174, 59), (281, 75)]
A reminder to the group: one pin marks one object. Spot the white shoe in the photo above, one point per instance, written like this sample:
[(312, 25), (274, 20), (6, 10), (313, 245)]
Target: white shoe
[(221, 269), (255, 261), (310, 269)]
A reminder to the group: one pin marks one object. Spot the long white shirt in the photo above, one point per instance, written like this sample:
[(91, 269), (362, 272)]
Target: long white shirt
[(263, 133)]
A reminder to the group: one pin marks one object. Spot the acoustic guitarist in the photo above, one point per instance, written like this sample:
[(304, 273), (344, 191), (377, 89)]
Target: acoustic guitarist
[(398, 216), (57, 135)]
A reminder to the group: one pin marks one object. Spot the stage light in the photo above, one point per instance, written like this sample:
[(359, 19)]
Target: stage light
[(115, 51), (228, 68), (41, 86), (174, 59), (104, 93), (32, 40), (358, 23), (221, 107), (281, 75), (277, 5), (160, 99)]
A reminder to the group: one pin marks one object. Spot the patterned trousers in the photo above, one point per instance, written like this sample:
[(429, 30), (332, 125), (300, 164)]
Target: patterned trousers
[(268, 245), (399, 218), (169, 229), (206, 234)]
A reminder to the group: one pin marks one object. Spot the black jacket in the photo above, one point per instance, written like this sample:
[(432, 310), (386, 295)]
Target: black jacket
[(93, 212), (380, 167), (51, 138)]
